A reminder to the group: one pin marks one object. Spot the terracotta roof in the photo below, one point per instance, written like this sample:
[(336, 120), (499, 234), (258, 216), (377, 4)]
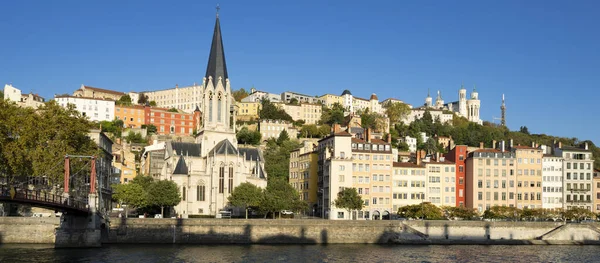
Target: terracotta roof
[(105, 90), (129, 107), (342, 133), (444, 162), (77, 97), (407, 165), (519, 147), (378, 141), (487, 150)]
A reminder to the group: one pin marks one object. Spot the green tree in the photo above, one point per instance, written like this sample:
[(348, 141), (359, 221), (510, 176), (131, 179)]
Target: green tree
[(309, 131), (152, 103), (277, 157), (280, 195), (349, 199), (150, 128), (132, 195), (246, 195), (372, 120), (143, 99), (424, 210), (333, 115), (172, 110), (270, 111), (524, 129), (283, 137), (1, 95), (125, 100), (238, 95), (396, 111), (35, 142), (459, 212), (244, 136), (578, 214), (135, 137), (163, 193), (144, 181), (294, 101)]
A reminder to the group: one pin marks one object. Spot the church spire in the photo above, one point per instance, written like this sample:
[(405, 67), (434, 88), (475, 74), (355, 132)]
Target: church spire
[(216, 61)]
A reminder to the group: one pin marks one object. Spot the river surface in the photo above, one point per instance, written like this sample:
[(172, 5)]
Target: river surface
[(300, 253)]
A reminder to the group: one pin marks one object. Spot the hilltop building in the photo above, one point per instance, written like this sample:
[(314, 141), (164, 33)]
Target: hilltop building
[(23, 100), (468, 108)]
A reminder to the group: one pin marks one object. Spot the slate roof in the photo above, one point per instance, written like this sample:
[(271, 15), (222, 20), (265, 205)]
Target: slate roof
[(222, 148), (181, 167), (251, 153), (346, 92), (186, 148), (216, 60)]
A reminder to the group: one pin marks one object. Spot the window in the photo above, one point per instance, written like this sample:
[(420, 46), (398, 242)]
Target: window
[(221, 179), (200, 192), (461, 169), (230, 179), (183, 193)]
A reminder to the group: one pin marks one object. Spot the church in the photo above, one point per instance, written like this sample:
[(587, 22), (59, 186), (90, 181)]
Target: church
[(208, 170), (468, 108)]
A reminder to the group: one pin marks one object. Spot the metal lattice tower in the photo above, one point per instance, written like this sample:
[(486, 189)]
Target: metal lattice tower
[(503, 109)]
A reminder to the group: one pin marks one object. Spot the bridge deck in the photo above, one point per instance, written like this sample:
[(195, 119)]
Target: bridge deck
[(42, 199)]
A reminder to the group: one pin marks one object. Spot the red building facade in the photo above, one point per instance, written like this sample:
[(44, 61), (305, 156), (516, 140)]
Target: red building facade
[(458, 155), (176, 123)]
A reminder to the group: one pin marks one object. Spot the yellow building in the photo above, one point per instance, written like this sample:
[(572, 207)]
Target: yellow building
[(247, 111), (491, 179), (330, 99), (132, 116), (303, 174), (529, 176), (124, 161), (408, 184), (596, 193), (441, 183), (309, 112)]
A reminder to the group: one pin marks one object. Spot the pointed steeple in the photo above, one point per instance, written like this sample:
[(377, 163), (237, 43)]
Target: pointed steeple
[(216, 61)]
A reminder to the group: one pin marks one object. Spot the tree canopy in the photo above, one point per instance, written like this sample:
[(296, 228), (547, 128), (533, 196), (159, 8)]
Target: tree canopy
[(163, 193), (396, 111), (132, 195), (314, 131), (349, 199), (332, 115), (270, 111), (244, 136), (280, 195), (35, 142), (135, 137), (142, 99), (425, 210), (372, 120), (125, 100), (238, 95), (246, 195), (277, 157)]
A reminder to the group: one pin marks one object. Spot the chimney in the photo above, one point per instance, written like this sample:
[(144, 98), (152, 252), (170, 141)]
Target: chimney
[(586, 146), (533, 144), (494, 144), (337, 128), (560, 145), (511, 143), (389, 138), (502, 146), (368, 135), (437, 156), (480, 145), (442, 159), (419, 157)]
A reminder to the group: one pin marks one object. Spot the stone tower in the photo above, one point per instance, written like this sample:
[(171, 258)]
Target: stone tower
[(462, 101), (428, 100)]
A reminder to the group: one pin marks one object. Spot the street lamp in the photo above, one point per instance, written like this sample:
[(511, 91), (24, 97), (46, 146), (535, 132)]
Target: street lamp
[(322, 191)]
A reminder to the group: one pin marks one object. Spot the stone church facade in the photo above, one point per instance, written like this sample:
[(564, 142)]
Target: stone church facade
[(208, 170)]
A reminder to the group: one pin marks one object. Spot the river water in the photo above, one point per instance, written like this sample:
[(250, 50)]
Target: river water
[(300, 253)]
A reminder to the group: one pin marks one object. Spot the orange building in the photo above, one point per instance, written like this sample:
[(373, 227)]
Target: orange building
[(167, 122), (132, 116)]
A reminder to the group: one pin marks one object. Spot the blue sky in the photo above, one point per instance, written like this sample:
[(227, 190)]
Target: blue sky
[(544, 55)]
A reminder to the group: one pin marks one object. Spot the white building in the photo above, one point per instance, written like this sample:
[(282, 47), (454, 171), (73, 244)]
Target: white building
[(441, 182), (468, 108), (552, 182), (578, 169), (23, 100), (257, 96), (417, 113), (302, 98), (272, 128), (412, 143), (96, 109)]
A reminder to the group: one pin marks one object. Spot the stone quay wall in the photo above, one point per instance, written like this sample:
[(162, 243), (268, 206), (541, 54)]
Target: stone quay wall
[(28, 230), (299, 231), (314, 231)]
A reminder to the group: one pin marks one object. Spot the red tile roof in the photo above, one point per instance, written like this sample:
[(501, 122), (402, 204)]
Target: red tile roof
[(407, 165), (105, 90), (487, 150)]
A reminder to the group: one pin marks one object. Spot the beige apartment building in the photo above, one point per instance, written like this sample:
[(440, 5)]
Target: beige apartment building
[(98, 93), (181, 98), (490, 179), (330, 99), (409, 184), (303, 174), (273, 128), (529, 176), (310, 113), (441, 182)]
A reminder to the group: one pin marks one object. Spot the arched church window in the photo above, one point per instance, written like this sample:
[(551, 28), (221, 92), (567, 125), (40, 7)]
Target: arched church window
[(219, 106), (230, 178), (210, 106), (221, 179)]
